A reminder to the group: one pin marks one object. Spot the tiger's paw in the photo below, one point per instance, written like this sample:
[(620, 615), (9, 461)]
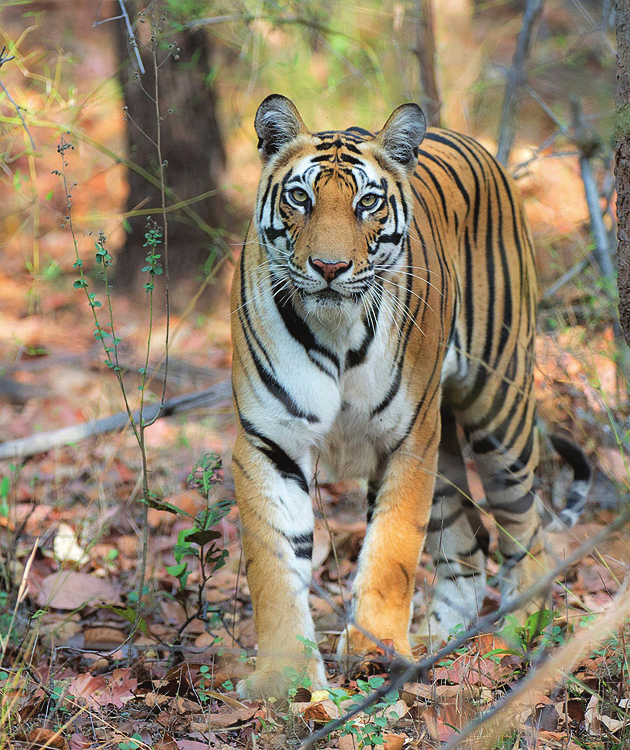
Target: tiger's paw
[(358, 653), (277, 680)]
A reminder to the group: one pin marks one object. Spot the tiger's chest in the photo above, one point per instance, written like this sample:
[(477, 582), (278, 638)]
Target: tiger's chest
[(373, 416)]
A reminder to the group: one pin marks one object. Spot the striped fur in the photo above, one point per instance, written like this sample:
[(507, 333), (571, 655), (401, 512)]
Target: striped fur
[(385, 299)]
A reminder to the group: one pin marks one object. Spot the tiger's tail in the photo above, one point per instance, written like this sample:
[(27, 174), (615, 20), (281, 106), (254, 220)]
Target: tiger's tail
[(576, 459)]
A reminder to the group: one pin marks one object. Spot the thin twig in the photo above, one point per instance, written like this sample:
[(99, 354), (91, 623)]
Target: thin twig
[(4, 60), (588, 144), (576, 269), (132, 36), (213, 21)]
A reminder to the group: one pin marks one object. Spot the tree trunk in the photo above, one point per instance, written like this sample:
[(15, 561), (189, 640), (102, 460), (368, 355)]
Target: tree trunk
[(425, 51), (622, 162), (192, 147)]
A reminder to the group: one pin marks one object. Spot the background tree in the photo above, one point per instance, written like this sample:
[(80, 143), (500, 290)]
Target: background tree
[(192, 147)]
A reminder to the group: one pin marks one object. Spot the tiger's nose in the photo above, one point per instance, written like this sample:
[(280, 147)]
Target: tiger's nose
[(329, 270)]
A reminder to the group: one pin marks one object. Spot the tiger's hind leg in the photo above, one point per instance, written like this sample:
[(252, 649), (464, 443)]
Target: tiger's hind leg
[(506, 464), (457, 541)]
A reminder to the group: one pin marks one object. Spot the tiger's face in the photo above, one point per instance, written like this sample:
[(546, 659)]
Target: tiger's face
[(333, 209)]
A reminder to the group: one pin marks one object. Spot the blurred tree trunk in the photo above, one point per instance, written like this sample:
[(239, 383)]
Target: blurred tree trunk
[(192, 146), (622, 162), (425, 51)]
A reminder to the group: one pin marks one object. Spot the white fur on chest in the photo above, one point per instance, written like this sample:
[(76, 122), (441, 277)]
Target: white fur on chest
[(360, 434)]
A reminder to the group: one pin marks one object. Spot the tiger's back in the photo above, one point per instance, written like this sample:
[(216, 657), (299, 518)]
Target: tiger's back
[(385, 294)]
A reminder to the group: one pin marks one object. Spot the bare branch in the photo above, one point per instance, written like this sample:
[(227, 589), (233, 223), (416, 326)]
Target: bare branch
[(132, 37), (588, 143), (213, 21), (565, 278), (4, 60), (516, 77), (45, 441)]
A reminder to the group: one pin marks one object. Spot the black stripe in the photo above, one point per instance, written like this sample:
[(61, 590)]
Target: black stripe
[(302, 545), (298, 329), (285, 465)]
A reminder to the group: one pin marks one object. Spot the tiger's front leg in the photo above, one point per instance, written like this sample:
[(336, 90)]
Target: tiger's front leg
[(384, 585), (277, 527)]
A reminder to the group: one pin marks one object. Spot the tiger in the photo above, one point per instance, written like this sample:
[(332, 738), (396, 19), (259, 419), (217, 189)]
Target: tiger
[(383, 316)]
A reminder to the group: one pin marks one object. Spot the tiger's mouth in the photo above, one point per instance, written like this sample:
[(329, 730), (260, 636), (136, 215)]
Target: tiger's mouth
[(327, 295)]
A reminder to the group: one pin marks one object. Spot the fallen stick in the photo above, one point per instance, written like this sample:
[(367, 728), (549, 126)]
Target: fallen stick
[(45, 441)]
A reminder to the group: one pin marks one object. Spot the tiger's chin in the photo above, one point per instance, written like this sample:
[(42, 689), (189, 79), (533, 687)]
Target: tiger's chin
[(330, 307)]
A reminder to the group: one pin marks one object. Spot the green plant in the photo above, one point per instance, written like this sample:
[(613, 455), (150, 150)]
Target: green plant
[(206, 472), (297, 679), (5, 486), (132, 743), (199, 542), (524, 636), (380, 714)]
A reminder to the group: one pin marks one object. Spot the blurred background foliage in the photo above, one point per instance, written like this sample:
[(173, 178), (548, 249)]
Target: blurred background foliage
[(342, 63)]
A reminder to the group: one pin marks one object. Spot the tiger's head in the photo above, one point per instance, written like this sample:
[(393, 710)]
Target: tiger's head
[(333, 208)]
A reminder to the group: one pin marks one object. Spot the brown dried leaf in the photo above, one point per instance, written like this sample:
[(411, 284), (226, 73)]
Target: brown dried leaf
[(166, 743), (223, 719), (99, 691), (69, 590), (155, 699), (393, 741), (320, 711), (47, 738), (97, 637)]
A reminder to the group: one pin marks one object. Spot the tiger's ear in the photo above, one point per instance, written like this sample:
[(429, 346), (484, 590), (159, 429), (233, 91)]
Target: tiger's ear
[(277, 123), (402, 134)]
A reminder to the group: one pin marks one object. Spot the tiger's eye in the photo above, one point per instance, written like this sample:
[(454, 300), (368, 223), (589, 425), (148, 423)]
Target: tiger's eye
[(299, 195), (369, 200)]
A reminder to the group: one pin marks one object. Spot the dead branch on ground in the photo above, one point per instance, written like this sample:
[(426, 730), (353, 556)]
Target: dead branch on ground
[(217, 395)]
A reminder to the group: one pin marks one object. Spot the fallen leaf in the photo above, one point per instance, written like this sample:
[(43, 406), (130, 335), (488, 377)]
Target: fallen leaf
[(166, 743), (69, 590), (66, 546), (97, 637), (394, 713), (47, 738), (320, 712), (155, 699), (223, 720), (393, 741), (98, 691), (79, 741), (348, 742)]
